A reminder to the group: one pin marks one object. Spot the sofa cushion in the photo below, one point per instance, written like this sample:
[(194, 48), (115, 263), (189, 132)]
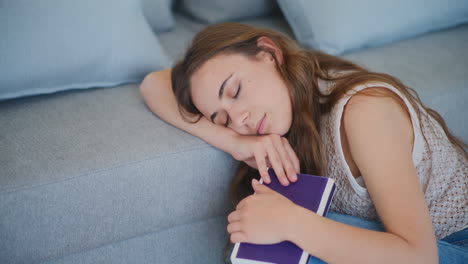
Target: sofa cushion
[(199, 242), (81, 169), (216, 11), (54, 45), (338, 26)]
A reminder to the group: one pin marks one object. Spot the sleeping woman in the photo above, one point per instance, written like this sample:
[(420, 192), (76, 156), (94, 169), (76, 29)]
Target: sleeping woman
[(402, 177)]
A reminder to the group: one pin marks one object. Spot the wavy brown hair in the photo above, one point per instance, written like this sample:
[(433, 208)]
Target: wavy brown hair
[(301, 69)]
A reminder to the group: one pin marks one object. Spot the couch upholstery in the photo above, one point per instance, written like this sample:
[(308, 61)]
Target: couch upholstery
[(92, 176)]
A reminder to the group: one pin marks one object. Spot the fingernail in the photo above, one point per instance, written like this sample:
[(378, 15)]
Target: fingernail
[(294, 176)]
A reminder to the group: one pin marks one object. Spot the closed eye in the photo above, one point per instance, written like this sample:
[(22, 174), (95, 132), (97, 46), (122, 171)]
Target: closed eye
[(238, 91), (235, 97)]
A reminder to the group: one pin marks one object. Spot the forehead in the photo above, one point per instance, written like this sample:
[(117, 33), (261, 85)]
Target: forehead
[(207, 80), (213, 68)]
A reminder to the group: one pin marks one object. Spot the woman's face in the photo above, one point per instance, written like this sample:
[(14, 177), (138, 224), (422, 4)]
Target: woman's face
[(249, 94)]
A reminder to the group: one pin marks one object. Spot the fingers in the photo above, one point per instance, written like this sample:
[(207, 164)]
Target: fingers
[(276, 152), (277, 166), (292, 155), (235, 229), (238, 237), (262, 167), (234, 216), (283, 159), (288, 166)]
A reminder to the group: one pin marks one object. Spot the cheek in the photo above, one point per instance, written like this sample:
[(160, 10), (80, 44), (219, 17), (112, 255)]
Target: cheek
[(286, 110), (286, 118)]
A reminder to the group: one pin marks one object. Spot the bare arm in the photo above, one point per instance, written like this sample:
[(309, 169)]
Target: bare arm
[(157, 93)]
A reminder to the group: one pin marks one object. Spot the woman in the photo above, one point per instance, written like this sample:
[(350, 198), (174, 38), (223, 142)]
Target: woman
[(254, 93)]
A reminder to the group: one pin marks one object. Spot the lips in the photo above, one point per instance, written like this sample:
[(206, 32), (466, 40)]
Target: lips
[(261, 124)]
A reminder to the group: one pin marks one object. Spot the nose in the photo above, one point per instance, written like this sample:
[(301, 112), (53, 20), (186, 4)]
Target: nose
[(239, 117)]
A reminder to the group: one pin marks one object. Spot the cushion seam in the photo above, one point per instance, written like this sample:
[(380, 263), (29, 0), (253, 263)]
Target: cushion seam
[(134, 237), (22, 188)]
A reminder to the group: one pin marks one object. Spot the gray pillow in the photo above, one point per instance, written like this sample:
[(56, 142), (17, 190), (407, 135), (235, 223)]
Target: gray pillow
[(216, 11), (54, 45)]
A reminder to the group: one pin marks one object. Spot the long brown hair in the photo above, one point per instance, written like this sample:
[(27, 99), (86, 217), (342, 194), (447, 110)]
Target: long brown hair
[(301, 70)]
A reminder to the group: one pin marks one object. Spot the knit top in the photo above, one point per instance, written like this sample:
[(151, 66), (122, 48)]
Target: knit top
[(442, 169)]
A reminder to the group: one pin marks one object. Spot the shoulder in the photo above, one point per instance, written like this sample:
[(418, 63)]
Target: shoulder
[(154, 80), (375, 119), (156, 76), (373, 106), (377, 98)]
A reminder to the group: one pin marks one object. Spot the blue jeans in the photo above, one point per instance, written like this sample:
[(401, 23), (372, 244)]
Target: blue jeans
[(452, 249)]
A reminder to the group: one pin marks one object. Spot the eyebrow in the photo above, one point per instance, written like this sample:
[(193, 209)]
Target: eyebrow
[(220, 95)]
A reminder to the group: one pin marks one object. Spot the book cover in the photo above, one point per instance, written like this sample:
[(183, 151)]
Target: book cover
[(309, 191)]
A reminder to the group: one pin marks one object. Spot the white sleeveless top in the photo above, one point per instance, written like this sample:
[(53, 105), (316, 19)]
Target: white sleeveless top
[(442, 169)]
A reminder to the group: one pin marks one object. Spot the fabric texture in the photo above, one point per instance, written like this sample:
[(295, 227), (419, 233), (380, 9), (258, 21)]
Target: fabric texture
[(339, 26), (52, 45), (441, 169), (159, 14), (459, 238), (448, 252), (198, 242), (215, 11)]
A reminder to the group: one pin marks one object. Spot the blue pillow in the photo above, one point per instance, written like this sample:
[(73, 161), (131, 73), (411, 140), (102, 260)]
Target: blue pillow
[(338, 26), (159, 14), (54, 45), (216, 11)]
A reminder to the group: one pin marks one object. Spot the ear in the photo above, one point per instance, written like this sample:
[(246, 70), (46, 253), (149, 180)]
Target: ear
[(269, 44)]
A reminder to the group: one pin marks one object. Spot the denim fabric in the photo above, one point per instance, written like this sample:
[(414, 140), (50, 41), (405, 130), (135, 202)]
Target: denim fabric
[(450, 248), (459, 238)]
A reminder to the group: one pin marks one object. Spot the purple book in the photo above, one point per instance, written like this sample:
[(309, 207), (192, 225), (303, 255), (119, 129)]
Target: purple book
[(312, 192)]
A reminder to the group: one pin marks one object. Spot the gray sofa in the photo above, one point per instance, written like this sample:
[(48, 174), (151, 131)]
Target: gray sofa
[(92, 176)]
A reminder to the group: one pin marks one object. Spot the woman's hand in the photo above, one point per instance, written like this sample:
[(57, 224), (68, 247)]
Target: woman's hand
[(261, 218), (261, 152)]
